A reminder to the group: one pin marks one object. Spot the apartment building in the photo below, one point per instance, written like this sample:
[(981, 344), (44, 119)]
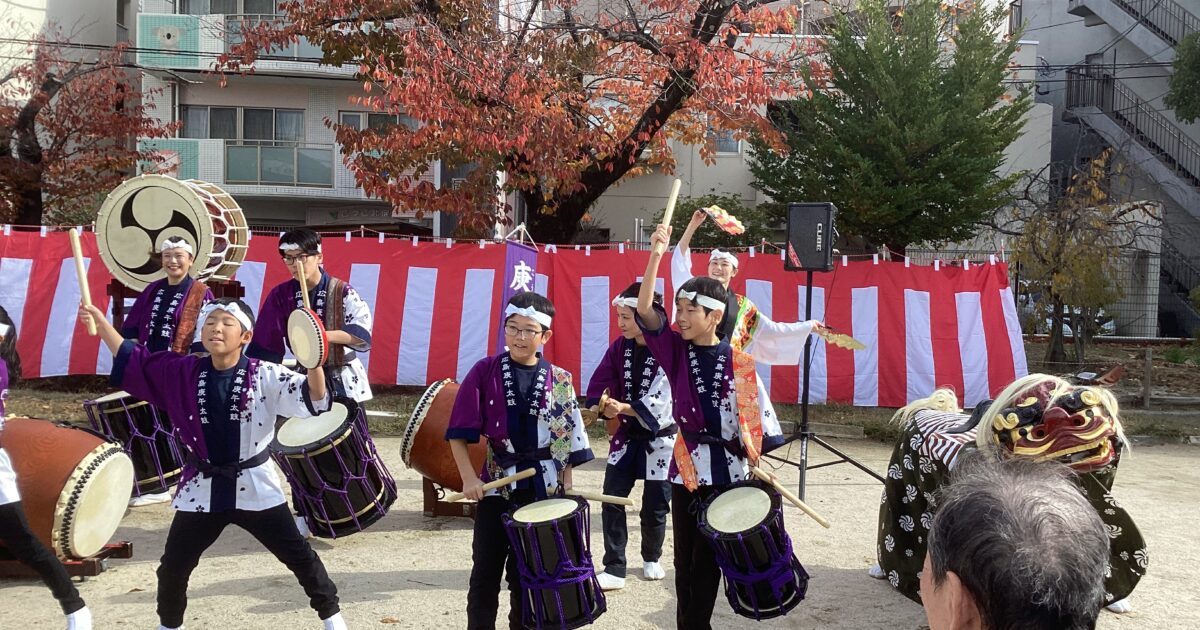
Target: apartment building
[(1104, 66), (264, 137)]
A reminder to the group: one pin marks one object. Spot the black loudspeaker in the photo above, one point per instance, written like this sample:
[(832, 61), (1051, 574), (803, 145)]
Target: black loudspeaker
[(810, 237)]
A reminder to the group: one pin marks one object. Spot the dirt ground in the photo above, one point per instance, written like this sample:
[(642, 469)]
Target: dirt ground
[(409, 571)]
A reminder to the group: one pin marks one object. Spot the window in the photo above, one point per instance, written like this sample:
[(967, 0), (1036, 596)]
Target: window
[(229, 7), (258, 125), (375, 121), (724, 141)]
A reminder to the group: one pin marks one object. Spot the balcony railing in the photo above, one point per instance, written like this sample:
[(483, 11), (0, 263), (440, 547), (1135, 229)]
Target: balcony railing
[(302, 50), (1167, 18), (1092, 86), (279, 164)]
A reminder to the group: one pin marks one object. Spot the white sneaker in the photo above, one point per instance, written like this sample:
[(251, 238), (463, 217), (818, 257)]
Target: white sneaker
[(80, 619), (166, 628), (610, 582), (305, 532), (335, 622), (150, 499), (653, 571), (876, 572), (1121, 606)]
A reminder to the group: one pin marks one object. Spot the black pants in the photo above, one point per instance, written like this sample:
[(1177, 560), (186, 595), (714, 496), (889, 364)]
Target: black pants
[(697, 576), (490, 556), (24, 546), (194, 532), (656, 502)]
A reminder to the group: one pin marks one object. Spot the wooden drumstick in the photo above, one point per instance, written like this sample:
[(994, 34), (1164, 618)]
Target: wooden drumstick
[(84, 293), (670, 211), (787, 494), (303, 284), (603, 498), (492, 485)]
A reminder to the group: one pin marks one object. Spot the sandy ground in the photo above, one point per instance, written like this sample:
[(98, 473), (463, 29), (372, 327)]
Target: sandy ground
[(409, 571)]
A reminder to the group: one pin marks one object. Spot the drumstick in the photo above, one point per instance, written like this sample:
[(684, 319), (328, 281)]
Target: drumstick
[(81, 274), (492, 485), (303, 283), (603, 498), (787, 494), (670, 211)]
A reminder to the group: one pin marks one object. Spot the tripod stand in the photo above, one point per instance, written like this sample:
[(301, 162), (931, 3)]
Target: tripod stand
[(805, 434)]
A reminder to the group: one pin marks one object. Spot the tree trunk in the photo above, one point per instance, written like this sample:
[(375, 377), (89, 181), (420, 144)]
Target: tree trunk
[(1056, 352), (29, 205)]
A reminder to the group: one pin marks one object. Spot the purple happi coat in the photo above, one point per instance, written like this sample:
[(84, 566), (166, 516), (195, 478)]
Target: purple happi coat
[(154, 317), (261, 391), (644, 440), (552, 430)]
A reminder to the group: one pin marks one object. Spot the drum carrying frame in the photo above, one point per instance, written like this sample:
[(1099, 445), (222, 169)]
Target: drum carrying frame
[(434, 506), (119, 293), (90, 566)]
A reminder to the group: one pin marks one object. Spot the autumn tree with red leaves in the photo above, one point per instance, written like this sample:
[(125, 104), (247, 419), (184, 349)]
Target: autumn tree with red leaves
[(556, 101), (69, 123)]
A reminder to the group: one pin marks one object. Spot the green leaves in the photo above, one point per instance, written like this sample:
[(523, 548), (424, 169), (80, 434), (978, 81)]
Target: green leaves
[(908, 135), (1184, 86)]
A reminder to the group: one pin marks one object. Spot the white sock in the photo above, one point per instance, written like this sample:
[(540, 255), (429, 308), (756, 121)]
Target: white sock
[(876, 572), (166, 628), (1120, 606), (80, 619), (335, 622)]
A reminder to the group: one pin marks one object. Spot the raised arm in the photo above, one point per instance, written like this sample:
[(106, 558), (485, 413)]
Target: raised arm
[(662, 234), (111, 336)]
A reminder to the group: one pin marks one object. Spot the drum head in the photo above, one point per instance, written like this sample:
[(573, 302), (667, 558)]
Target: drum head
[(298, 432), (138, 214), (306, 337), (545, 511), (738, 509), (417, 418), (93, 501)]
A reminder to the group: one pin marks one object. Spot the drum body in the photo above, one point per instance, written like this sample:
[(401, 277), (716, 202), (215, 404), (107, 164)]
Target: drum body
[(146, 435), (744, 524), (339, 483), (550, 540), (139, 213), (424, 447), (74, 486)]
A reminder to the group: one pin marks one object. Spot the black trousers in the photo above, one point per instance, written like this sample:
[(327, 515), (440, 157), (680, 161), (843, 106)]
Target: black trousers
[(490, 557), (24, 546), (194, 532), (697, 576), (656, 502)]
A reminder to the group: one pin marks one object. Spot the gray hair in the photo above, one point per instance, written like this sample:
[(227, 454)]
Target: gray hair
[(1024, 541)]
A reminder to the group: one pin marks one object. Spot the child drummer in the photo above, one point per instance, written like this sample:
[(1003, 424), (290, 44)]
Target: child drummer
[(525, 407), (224, 406), (639, 404), (15, 534), (725, 418)]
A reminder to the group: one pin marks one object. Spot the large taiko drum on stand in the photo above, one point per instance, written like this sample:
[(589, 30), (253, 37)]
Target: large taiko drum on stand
[(74, 485), (424, 447), (138, 214)]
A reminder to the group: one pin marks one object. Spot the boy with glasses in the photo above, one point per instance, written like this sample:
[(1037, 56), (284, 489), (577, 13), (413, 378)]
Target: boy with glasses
[(525, 407)]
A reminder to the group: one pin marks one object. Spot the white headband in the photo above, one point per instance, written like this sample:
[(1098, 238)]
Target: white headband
[(4, 328), (176, 242), (287, 247), (720, 255), (625, 301), (232, 309), (702, 300), (529, 312)]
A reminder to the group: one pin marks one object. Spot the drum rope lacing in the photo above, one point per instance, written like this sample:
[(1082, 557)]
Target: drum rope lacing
[(98, 416), (361, 474), (536, 581)]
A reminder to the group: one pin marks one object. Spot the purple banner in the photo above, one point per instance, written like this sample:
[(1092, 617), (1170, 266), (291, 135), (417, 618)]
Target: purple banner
[(520, 274)]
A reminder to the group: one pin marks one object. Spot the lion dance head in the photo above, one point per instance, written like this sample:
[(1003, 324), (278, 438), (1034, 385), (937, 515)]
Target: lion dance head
[(1045, 418)]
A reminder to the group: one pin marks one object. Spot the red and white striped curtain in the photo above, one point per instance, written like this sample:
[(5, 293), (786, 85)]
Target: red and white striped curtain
[(436, 312)]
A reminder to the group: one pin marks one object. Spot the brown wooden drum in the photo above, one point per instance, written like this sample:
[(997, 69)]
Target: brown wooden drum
[(74, 485), (424, 447)]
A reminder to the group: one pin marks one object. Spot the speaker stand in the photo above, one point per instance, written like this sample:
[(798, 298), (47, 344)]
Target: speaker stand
[(805, 434)]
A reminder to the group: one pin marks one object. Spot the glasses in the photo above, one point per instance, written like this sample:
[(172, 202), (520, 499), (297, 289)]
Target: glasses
[(291, 260), (521, 333)]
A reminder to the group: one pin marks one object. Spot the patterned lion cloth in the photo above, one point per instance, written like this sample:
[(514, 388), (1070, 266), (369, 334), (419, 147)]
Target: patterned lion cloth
[(1043, 417)]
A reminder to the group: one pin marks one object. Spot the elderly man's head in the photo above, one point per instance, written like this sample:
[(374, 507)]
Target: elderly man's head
[(1014, 544)]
